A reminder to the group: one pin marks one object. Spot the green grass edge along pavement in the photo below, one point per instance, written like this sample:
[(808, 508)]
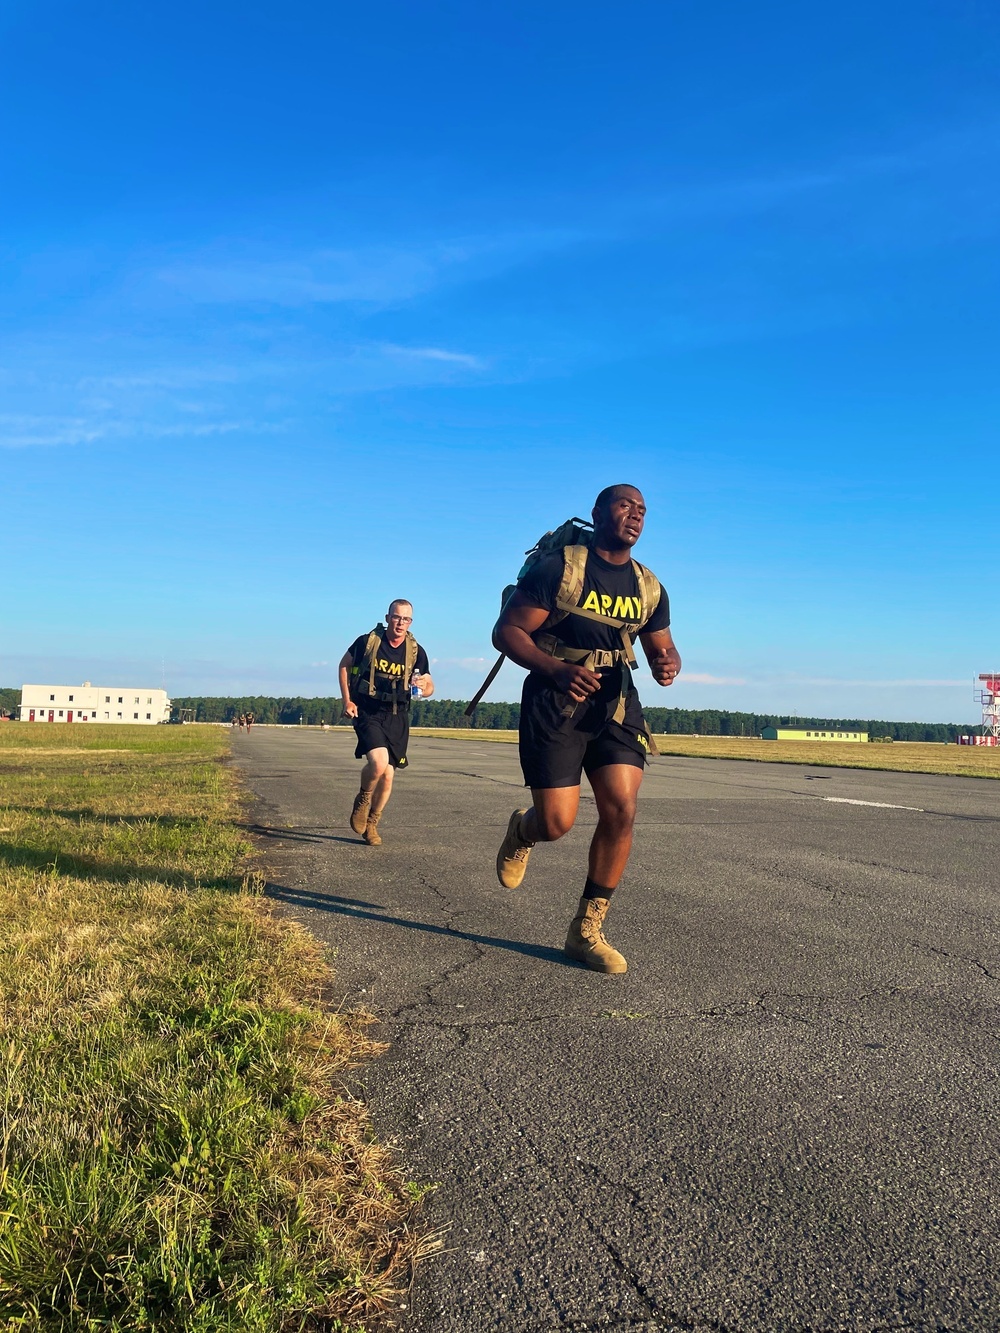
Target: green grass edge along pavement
[(177, 1150), (900, 757)]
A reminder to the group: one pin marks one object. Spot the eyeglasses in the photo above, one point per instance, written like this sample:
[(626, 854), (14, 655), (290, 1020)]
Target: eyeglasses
[(403, 620)]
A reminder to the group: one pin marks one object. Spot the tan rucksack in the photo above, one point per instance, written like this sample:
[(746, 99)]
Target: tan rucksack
[(574, 537)]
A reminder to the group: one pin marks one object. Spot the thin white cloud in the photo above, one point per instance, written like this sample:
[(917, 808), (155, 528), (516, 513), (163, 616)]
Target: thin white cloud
[(37, 432), (702, 678), (322, 278), (882, 684), (206, 428), (434, 354), (180, 377), (463, 663), (48, 432), (827, 682), (366, 275)]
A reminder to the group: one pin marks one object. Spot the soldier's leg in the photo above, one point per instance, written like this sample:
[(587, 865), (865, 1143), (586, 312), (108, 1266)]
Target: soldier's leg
[(383, 787), (376, 764), (370, 794), (552, 814), (616, 787), (378, 795)]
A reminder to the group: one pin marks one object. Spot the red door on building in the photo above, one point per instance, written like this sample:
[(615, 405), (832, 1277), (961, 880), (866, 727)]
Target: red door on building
[(52, 714), (69, 715), (31, 716)]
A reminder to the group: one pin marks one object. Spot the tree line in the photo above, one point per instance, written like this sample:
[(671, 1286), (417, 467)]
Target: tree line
[(504, 717)]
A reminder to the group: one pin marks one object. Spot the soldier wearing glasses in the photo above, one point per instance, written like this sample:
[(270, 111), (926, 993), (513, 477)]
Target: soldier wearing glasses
[(379, 674)]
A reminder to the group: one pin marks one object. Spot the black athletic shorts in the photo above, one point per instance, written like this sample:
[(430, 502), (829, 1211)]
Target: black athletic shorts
[(555, 751), (383, 730)]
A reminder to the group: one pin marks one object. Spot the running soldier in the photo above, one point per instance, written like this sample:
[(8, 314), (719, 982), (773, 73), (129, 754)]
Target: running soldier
[(580, 711), (379, 674)]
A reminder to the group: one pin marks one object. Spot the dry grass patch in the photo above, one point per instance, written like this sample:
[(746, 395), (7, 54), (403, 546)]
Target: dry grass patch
[(899, 757), (177, 1151), (465, 734)]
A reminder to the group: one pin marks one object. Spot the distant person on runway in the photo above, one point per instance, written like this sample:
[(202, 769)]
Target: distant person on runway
[(379, 674), (571, 623)]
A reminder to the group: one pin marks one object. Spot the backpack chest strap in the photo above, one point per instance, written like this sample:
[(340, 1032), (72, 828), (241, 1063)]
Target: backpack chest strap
[(594, 659), (387, 693)]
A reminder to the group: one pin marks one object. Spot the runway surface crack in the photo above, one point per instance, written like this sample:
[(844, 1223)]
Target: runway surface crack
[(482, 777), (922, 947), (652, 1312)]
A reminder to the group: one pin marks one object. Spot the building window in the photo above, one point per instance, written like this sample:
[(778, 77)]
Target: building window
[(93, 714), (119, 714), (60, 712), (119, 700), (149, 701), (137, 698), (107, 715), (149, 717), (71, 698), (107, 698), (136, 716), (52, 698)]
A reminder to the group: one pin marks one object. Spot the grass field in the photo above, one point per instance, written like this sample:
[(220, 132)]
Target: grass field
[(465, 734), (900, 757), (176, 1151)]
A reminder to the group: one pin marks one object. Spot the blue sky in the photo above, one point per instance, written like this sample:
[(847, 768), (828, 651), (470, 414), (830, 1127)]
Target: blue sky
[(304, 307)]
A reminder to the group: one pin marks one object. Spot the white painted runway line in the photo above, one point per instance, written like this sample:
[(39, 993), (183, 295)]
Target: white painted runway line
[(882, 805)]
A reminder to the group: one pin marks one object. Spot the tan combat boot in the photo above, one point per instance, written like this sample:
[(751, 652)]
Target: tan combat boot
[(359, 815), (585, 941), (512, 858), (371, 833)]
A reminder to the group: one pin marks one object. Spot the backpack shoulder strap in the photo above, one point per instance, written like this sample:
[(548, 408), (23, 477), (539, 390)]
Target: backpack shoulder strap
[(570, 588), (574, 572), (650, 591), (371, 650), (410, 658)]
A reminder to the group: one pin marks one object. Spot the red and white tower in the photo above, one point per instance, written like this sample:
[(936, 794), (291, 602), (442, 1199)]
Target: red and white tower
[(988, 695)]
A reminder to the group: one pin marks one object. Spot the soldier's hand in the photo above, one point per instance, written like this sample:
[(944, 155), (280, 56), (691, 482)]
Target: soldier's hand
[(665, 666), (350, 709), (577, 681)]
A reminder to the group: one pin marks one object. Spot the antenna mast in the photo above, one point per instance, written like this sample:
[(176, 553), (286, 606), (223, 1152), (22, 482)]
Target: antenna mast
[(988, 696)]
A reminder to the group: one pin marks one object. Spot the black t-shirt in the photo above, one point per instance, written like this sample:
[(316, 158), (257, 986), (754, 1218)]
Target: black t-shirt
[(611, 590), (390, 669)]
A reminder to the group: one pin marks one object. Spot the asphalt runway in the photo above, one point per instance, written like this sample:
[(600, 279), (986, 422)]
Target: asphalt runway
[(784, 1117)]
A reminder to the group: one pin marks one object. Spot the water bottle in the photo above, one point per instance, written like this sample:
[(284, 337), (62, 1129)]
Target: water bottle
[(414, 689)]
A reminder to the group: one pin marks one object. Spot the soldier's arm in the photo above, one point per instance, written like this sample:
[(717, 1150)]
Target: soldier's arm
[(662, 655), (512, 633), (350, 708), (426, 684)]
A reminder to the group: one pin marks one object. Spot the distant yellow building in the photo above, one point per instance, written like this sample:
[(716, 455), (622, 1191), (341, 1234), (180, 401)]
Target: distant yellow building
[(810, 734)]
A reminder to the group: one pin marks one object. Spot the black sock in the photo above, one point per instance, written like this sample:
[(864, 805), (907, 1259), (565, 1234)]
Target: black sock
[(596, 890)]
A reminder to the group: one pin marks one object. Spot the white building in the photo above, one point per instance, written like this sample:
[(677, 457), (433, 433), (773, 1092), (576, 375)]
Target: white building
[(94, 703)]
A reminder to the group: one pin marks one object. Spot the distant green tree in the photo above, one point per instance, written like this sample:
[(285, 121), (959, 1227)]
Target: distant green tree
[(10, 700), (504, 717)]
